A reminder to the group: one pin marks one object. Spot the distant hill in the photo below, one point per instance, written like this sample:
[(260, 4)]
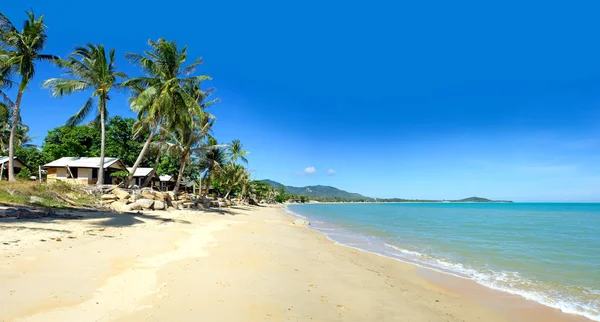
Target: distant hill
[(318, 191), (478, 199), (335, 194)]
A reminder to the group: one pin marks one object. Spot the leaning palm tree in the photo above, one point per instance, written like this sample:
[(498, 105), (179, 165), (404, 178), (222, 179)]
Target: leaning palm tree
[(212, 160), (236, 151), (89, 68), (159, 96), (22, 50), (187, 141)]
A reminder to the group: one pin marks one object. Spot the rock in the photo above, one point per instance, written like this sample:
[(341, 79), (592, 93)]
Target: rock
[(160, 196), (145, 203), (171, 209), (109, 196), (35, 199), (252, 202), (171, 195), (107, 202), (133, 206), (120, 193), (119, 206), (147, 194), (134, 198), (301, 222), (188, 205), (176, 204), (159, 205), (221, 204)]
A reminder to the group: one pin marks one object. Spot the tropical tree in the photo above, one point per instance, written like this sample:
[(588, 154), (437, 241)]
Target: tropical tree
[(235, 177), (189, 140), (89, 68), (236, 151), (21, 52), (213, 159), (159, 97)]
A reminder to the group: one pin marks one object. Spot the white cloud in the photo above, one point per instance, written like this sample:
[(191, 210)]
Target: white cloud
[(330, 172), (310, 170)]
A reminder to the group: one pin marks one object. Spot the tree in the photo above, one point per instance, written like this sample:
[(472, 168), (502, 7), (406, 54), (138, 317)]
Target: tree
[(213, 159), (72, 141), (21, 52), (236, 151), (89, 68), (159, 97), (120, 140), (186, 140)]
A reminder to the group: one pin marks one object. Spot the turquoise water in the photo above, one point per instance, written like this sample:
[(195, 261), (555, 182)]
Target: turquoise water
[(547, 252)]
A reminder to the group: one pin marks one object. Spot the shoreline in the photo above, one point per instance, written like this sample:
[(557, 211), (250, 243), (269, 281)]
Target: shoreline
[(223, 265), (442, 274)]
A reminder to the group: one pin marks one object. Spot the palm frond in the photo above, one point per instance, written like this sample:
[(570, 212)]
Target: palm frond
[(82, 113)]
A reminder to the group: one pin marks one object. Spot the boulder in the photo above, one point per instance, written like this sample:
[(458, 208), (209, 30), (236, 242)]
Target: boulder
[(252, 202), (188, 205), (145, 203), (107, 202), (109, 196), (133, 206), (35, 199), (171, 195), (301, 222), (120, 193), (171, 209), (160, 196), (119, 206), (159, 205), (176, 204), (147, 194)]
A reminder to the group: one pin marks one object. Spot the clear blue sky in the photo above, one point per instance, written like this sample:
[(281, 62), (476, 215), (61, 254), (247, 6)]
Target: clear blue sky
[(414, 99)]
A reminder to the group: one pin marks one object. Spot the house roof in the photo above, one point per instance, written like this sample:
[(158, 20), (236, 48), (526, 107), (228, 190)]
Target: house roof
[(140, 172), (17, 161), (83, 162), (166, 178)]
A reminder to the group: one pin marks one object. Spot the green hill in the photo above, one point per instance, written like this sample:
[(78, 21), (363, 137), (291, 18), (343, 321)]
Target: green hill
[(325, 192)]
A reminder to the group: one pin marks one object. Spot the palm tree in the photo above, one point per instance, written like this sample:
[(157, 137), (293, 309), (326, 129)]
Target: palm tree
[(186, 141), (236, 176), (22, 50), (89, 68), (212, 160), (159, 96), (236, 151)]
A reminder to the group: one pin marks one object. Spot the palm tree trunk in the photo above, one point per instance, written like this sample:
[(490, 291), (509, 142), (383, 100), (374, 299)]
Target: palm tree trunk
[(147, 181), (142, 153), (102, 142), (180, 176), (207, 176), (13, 132)]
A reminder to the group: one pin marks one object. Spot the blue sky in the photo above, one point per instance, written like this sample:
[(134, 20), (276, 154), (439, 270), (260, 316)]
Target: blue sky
[(422, 99)]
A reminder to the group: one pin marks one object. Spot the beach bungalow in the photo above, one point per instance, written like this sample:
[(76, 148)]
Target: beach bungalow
[(141, 174), (4, 167), (166, 183), (82, 170)]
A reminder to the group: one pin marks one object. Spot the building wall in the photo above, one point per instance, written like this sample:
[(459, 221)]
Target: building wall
[(84, 176)]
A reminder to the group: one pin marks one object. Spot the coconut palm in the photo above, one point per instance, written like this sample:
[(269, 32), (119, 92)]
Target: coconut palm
[(212, 160), (159, 96), (21, 52), (89, 68), (236, 177), (236, 151), (186, 141)]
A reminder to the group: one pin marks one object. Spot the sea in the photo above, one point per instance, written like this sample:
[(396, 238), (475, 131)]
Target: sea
[(545, 252)]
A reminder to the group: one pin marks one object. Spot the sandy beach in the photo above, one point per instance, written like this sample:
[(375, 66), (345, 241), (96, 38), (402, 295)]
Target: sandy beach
[(244, 264)]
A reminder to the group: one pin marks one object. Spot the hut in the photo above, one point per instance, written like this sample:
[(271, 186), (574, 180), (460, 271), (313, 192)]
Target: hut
[(82, 170), (18, 165)]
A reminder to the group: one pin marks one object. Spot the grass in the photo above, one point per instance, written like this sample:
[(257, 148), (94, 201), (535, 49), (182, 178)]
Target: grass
[(20, 192)]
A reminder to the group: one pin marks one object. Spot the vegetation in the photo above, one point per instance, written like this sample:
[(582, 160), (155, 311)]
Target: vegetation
[(21, 49), (89, 68), (172, 132)]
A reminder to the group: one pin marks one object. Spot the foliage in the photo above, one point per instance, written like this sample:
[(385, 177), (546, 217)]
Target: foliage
[(20, 51), (32, 157), (70, 141), (121, 142), (120, 174), (262, 190), (24, 174)]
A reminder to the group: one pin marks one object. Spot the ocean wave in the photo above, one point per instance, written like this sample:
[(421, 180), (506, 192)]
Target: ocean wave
[(506, 281)]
